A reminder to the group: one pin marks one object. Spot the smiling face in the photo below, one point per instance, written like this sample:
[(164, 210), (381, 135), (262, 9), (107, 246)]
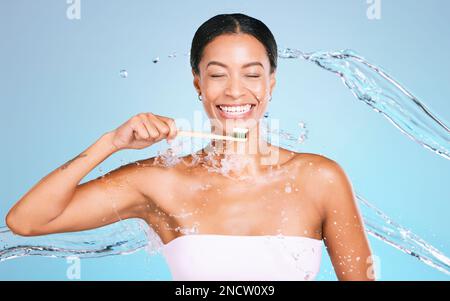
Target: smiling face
[(235, 80)]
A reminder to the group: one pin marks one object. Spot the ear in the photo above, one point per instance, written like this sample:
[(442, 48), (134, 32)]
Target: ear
[(196, 81), (273, 81)]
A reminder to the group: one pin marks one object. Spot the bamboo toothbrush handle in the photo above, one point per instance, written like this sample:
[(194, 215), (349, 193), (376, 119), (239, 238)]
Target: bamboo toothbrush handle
[(206, 135)]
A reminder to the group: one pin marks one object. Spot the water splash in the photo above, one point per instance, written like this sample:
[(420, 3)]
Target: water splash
[(367, 82), (379, 225), (125, 237), (373, 86)]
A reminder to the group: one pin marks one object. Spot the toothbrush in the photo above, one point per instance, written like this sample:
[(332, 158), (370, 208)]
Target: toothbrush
[(239, 134)]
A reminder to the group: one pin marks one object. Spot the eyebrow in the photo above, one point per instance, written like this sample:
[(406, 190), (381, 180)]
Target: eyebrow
[(243, 66)]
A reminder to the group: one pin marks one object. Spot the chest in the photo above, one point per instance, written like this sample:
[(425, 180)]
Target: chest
[(216, 205)]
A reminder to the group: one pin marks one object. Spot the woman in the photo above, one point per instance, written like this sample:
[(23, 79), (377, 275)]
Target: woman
[(265, 220)]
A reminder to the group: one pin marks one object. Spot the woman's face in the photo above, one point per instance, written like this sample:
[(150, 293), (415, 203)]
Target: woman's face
[(235, 80)]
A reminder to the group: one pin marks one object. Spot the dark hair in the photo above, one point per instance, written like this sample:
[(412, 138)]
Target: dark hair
[(232, 24)]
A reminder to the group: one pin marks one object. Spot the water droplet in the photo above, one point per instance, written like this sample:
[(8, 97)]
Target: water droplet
[(205, 187), (266, 115), (288, 188), (404, 233), (156, 59), (123, 73)]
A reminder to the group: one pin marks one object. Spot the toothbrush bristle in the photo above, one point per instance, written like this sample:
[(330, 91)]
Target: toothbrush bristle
[(240, 133)]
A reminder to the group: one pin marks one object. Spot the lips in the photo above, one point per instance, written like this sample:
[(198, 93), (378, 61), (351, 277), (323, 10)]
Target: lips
[(235, 111)]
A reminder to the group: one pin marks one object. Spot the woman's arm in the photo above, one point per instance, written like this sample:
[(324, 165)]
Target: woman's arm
[(58, 204), (343, 228)]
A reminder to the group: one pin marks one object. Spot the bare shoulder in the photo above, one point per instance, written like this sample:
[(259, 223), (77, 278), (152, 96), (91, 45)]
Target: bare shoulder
[(326, 179), (332, 174), (328, 168)]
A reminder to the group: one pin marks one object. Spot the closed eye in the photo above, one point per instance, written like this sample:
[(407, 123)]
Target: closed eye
[(250, 75)]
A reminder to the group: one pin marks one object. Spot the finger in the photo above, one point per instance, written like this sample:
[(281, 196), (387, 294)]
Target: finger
[(162, 127), (172, 126), (141, 131), (152, 130), (136, 136)]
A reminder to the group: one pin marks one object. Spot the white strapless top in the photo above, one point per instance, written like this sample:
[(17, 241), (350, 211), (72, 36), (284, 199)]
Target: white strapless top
[(243, 257)]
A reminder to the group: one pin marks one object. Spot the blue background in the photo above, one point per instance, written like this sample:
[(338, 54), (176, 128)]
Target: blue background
[(60, 90)]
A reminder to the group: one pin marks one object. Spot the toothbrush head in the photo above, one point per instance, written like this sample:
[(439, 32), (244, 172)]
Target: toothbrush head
[(240, 134)]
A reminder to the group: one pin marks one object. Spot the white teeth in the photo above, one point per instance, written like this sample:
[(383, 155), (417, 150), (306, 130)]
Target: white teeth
[(236, 109)]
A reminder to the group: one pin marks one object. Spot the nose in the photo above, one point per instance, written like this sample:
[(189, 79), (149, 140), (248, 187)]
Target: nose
[(235, 88)]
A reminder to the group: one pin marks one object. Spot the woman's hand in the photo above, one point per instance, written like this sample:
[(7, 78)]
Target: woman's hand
[(143, 130)]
